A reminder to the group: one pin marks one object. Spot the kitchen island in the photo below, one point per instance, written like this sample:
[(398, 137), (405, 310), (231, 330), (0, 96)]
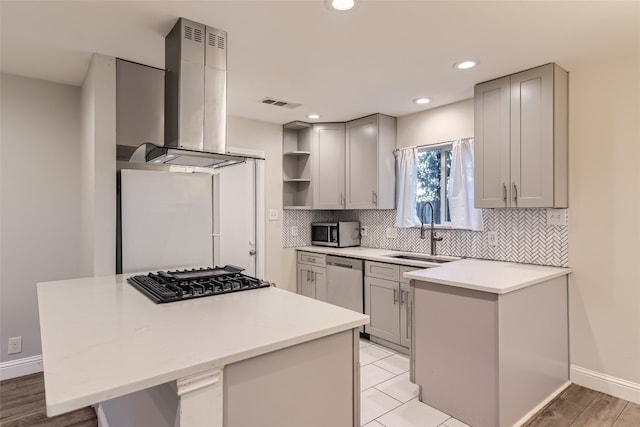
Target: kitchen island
[(490, 339), (263, 357)]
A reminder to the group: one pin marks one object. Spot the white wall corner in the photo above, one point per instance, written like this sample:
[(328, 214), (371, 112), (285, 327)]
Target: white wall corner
[(603, 383), (20, 367)]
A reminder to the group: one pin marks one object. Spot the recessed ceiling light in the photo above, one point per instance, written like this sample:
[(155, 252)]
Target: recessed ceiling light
[(313, 116), (421, 100), (342, 4), (466, 64)]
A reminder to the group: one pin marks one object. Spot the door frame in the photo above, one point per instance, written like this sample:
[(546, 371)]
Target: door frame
[(259, 185)]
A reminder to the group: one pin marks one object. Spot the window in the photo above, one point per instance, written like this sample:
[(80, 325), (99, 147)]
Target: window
[(434, 167)]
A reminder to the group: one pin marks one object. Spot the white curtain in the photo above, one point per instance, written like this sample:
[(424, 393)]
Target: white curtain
[(406, 188), (463, 214)]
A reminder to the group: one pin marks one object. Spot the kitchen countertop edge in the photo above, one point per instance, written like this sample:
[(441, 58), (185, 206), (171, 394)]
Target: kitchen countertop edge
[(497, 277)]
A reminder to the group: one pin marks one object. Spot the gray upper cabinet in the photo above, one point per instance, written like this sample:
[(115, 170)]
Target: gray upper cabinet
[(370, 164), (521, 147), (328, 176), (139, 104)]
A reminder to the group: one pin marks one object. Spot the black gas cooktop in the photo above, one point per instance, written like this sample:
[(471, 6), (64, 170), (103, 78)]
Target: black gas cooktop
[(179, 285)]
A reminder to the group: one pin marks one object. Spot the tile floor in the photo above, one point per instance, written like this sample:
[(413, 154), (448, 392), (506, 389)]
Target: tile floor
[(388, 398)]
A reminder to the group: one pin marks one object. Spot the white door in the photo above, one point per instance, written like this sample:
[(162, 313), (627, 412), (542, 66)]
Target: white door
[(235, 217)]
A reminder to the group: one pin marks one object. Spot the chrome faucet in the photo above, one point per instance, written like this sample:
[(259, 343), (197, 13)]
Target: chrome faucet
[(423, 232)]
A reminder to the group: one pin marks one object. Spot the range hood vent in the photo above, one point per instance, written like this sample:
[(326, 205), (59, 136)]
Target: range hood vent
[(195, 100)]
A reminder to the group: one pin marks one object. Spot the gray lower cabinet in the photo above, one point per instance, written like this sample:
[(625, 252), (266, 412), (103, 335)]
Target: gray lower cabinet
[(382, 305), (496, 357), (311, 275), (388, 302)]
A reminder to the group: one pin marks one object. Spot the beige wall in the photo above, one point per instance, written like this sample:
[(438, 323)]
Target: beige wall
[(40, 184), (604, 229), (440, 124)]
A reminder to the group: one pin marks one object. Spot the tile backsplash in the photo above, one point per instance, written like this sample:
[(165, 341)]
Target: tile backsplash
[(523, 235)]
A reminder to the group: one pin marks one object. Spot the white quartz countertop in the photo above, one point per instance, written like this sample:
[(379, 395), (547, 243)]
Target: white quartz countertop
[(102, 338), (373, 254), (496, 277)]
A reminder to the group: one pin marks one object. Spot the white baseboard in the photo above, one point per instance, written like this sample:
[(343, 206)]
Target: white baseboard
[(20, 367), (603, 383), (542, 404)]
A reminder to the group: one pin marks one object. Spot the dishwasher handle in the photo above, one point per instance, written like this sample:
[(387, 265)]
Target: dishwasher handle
[(343, 262)]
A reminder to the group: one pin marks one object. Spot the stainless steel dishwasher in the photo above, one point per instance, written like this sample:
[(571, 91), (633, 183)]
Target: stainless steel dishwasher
[(345, 282)]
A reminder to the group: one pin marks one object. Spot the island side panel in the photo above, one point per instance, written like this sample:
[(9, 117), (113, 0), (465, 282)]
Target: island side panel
[(310, 384), (455, 351), (534, 347)]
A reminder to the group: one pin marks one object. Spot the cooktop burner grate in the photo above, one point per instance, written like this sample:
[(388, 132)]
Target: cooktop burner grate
[(179, 285)]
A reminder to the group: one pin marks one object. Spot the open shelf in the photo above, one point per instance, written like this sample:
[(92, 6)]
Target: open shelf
[(296, 166)]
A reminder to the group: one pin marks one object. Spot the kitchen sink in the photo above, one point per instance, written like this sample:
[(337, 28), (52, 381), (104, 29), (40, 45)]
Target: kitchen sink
[(425, 258)]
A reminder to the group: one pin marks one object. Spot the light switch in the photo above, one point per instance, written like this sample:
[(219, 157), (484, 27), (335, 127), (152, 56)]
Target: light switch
[(392, 233), (273, 214), (294, 231)]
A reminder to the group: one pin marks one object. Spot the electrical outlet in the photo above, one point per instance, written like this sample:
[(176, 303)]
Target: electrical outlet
[(273, 214), (364, 230), (492, 237), (556, 217), (392, 233), (15, 345), (294, 231)]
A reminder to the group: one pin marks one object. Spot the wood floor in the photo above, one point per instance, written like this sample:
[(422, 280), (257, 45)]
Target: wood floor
[(581, 407), (22, 404)]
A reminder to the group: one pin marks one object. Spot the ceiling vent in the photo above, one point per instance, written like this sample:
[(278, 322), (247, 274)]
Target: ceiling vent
[(278, 103)]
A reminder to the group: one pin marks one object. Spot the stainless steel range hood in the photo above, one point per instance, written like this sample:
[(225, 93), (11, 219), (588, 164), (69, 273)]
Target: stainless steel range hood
[(195, 100)]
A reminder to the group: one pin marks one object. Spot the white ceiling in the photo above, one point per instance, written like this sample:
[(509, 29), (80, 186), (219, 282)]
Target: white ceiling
[(376, 58)]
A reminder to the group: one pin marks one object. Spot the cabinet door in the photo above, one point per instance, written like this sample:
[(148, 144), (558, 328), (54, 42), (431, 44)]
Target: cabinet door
[(532, 138), (492, 144), (306, 284), (320, 283), (382, 304), (405, 314), (362, 163), (328, 166)]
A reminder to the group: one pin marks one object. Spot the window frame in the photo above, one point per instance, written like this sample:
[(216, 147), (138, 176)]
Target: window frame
[(443, 148)]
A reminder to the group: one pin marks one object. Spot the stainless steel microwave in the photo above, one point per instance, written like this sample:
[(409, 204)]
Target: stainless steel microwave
[(340, 234)]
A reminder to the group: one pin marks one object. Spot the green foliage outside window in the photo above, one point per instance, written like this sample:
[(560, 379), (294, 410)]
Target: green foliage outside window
[(432, 186)]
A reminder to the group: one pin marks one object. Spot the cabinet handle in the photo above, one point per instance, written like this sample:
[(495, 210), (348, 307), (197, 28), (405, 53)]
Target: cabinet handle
[(313, 276), (401, 297), (374, 198), (395, 296), (504, 193), (342, 200), (515, 193), (408, 317)]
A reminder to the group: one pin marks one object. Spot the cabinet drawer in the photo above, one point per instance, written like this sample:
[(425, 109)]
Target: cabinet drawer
[(405, 269), (311, 258), (382, 270)]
